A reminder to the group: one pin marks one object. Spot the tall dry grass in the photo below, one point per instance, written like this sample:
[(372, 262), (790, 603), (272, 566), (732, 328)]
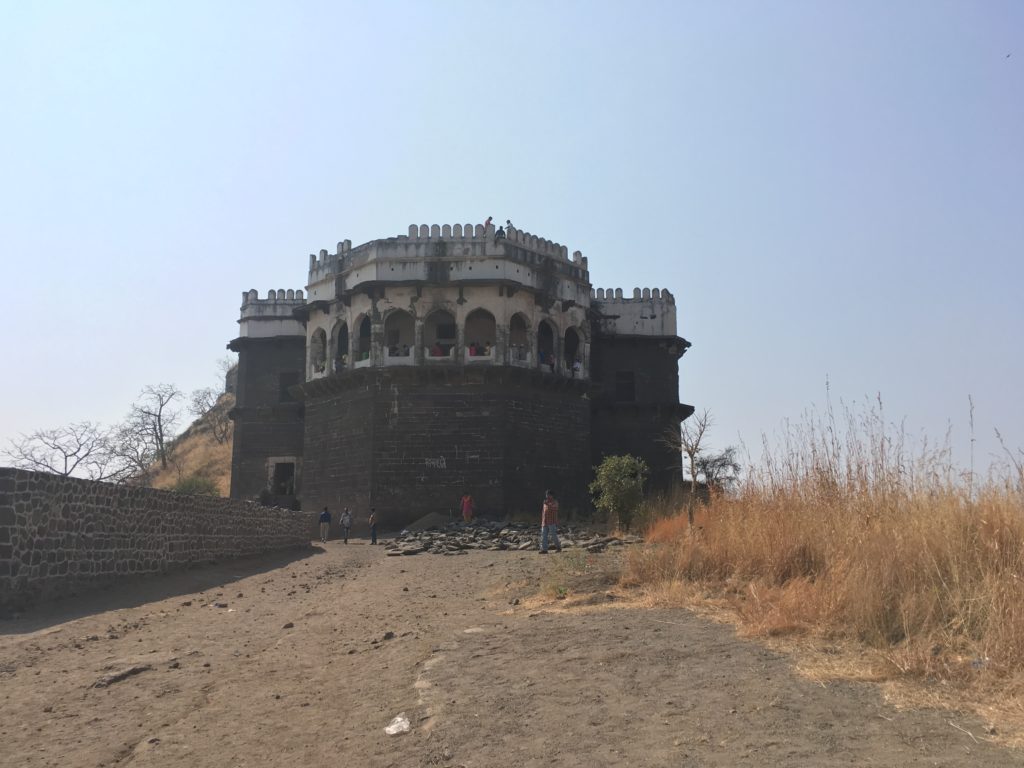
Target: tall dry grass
[(847, 532)]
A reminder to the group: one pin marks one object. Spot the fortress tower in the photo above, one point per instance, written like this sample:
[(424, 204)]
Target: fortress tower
[(447, 360)]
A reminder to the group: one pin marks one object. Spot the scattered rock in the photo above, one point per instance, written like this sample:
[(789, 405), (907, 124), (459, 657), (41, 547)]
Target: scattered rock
[(116, 677), (458, 538), (289, 625), (389, 635), (398, 726)]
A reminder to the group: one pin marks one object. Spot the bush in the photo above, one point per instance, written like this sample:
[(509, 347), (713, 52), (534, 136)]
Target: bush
[(618, 488), (197, 485)]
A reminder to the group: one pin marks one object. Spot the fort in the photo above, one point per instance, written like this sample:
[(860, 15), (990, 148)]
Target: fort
[(452, 359)]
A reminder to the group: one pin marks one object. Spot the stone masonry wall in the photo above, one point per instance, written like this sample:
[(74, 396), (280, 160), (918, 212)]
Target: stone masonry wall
[(412, 441), (60, 535)]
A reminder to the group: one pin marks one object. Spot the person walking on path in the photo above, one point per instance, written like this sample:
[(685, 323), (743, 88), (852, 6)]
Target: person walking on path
[(346, 523), (549, 523), (373, 525), (325, 524), (467, 507)]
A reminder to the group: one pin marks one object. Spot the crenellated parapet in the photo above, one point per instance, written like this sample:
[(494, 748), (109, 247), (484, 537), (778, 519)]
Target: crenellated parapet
[(273, 315), (428, 232), (639, 294), (326, 265), (648, 312)]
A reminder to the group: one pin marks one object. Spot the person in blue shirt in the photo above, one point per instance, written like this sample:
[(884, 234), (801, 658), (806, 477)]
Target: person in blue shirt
[(325, 524)]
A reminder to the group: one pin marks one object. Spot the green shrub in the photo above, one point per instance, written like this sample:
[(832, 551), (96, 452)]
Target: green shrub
[(197, 485), (618, 488)]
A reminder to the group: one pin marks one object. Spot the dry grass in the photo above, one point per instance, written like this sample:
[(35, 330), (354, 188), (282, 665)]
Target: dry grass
[(845, 536), (196, 452)]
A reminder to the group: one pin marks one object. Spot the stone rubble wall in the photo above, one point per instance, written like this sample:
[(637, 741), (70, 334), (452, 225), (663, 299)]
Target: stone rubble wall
[(60, 536)]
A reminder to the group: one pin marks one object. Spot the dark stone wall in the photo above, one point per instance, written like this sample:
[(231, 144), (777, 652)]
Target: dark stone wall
[(259, 434), (268, 419), (337, 464), (410, 441), (638, 425), (640, 431), (654, 362), (261, 363), (60, 536)]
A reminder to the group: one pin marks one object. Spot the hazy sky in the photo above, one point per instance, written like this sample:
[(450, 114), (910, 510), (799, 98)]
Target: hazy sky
[(833, 191)]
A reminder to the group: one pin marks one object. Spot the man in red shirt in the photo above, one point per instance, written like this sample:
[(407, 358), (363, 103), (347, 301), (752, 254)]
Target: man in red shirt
[(549, 523)]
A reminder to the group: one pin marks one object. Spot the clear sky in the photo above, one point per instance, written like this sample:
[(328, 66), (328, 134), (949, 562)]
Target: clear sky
[(832, 190)]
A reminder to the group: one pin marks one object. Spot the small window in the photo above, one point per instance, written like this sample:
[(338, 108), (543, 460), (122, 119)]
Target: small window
[(287, 379), (625, 386), (283, 481)]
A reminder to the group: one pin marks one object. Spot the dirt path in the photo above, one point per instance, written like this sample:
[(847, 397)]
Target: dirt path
[(219, 678)]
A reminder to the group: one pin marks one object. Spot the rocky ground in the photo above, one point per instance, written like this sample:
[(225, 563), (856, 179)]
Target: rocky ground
[(495, 658), (458, 539)]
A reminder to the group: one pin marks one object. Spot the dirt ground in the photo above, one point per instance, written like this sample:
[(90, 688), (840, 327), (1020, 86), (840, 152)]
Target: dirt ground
[(304, 659)]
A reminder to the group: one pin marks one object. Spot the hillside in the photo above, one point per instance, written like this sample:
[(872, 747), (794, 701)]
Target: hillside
[(197, 453)]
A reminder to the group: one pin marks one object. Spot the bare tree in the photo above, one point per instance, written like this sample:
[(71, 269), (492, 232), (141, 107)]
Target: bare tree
[(83, 449), (688, 440), (134, 450), (720, 470), (149, 430), (208, 405)]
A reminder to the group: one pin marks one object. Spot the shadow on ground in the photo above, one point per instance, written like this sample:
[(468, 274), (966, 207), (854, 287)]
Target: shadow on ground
[(129, 593)]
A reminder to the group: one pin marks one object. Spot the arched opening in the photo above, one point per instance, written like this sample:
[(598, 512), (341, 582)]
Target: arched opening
[(479, 336), (363, 342), (341, 347), (399, 334), (318, 350), (571, 353), (439, 334), (546, 344), (518, 339)]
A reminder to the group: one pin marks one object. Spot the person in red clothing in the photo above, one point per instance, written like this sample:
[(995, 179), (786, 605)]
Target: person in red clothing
[(467, 507), (549, 523)]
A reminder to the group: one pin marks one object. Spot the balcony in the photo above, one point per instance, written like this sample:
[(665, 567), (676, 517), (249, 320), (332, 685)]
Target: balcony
[(396, 356), (477, 356)]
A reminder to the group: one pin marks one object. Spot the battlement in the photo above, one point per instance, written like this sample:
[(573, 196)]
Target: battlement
[(272, 316), (280, 297), (425, 233), (615, 295), (649, 312)]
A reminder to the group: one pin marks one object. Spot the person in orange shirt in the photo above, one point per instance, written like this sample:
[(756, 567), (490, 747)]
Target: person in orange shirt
[(549, 523)]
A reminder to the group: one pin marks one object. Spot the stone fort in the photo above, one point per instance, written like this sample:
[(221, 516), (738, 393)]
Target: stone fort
[(453, 359)]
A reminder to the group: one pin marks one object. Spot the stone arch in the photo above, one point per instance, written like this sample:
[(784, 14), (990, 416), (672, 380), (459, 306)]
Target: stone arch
[(340, 344), (318, 351), (519, 337), (546, 343), (399, 333), (439, 333), (480, 332), (572, 348), (361, 349)]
